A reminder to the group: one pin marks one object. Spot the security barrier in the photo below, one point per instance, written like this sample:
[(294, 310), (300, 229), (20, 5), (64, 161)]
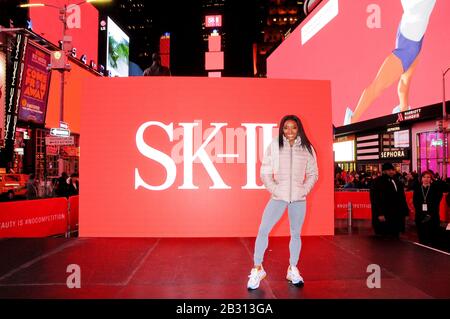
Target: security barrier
[(39, 218), (356, 205)]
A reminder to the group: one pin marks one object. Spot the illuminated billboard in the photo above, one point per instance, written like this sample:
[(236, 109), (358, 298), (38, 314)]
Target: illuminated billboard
[(35, 85), (117, 50), (82, 20), (212, 21), (381, 56), (2, 96), (191, 166)]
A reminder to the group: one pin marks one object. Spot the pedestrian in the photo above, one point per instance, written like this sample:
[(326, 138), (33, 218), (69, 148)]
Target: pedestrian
[(32, 187), (427, 199), (289, 172), (389, 206), (74, 185), (62, 185)]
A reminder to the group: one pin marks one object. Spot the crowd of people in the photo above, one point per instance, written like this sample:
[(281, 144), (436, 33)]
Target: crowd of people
[(364, 180), (64, 186), (390, 209), (389, 205)]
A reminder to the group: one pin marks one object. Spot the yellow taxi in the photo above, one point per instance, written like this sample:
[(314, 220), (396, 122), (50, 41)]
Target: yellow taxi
[(12, 185)]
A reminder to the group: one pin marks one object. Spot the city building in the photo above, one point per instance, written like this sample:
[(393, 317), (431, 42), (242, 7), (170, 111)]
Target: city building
[(137, 20), (415, 140), (277, 18)]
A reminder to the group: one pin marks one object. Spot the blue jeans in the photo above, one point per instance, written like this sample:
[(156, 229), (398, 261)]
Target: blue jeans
[(272, 214)]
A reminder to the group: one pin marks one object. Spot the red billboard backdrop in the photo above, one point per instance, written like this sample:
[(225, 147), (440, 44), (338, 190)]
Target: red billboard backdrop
[(180, 157), (346, 41), (82, 24)]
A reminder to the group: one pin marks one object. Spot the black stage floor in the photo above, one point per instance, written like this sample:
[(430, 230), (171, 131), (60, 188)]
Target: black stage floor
[(332, 266)]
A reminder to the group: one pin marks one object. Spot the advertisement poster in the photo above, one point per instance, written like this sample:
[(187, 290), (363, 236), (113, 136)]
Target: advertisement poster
[(118, 47), (382, 57), (2, 97), (35, 86)]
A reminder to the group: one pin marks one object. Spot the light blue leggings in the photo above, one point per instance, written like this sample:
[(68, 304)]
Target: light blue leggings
[(272, 214)]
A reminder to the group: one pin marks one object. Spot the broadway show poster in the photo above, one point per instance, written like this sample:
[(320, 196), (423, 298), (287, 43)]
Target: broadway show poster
[(35, 86), (2, 96)]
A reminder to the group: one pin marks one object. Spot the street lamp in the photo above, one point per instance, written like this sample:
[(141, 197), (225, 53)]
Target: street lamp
[(63, 18)]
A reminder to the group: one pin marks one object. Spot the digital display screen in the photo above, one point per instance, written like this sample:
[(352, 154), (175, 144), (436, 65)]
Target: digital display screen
[(344, 151), (381, 56), (117, 50)]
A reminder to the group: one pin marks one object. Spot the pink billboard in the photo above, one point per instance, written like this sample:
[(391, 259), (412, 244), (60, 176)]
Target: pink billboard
[(382, 57)]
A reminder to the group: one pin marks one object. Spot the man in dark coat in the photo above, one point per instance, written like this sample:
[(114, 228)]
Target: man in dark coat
[(389, 207), (74, 185), (62, 185)]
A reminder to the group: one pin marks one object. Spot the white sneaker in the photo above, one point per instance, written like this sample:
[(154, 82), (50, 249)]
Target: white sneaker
[(348, 116), (397, 109), (293, 275), (255, 278)]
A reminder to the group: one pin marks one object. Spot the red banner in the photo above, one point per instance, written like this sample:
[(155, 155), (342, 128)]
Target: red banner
[(443, 209), (33, 218), (359, 201), (74, 212), (361, 207), (409, 201)]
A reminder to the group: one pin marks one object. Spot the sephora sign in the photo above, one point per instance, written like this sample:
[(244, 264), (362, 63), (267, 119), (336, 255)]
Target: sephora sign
[(180, 157)]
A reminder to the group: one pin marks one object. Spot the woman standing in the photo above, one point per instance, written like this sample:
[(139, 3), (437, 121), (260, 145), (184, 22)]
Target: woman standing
[(427, 198), (289, 172)]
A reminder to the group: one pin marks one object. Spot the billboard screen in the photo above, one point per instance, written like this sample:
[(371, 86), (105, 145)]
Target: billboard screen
[(213, 21), (82, 21), (381, 56), (198, 174), (117, 50), (35, 85)]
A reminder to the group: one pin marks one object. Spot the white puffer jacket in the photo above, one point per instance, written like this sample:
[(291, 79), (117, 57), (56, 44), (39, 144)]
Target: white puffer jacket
[(289, 174)]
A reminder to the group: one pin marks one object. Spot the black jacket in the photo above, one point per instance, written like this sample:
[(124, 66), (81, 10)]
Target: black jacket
[(433, 200), (72, 190), (388, 202)]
